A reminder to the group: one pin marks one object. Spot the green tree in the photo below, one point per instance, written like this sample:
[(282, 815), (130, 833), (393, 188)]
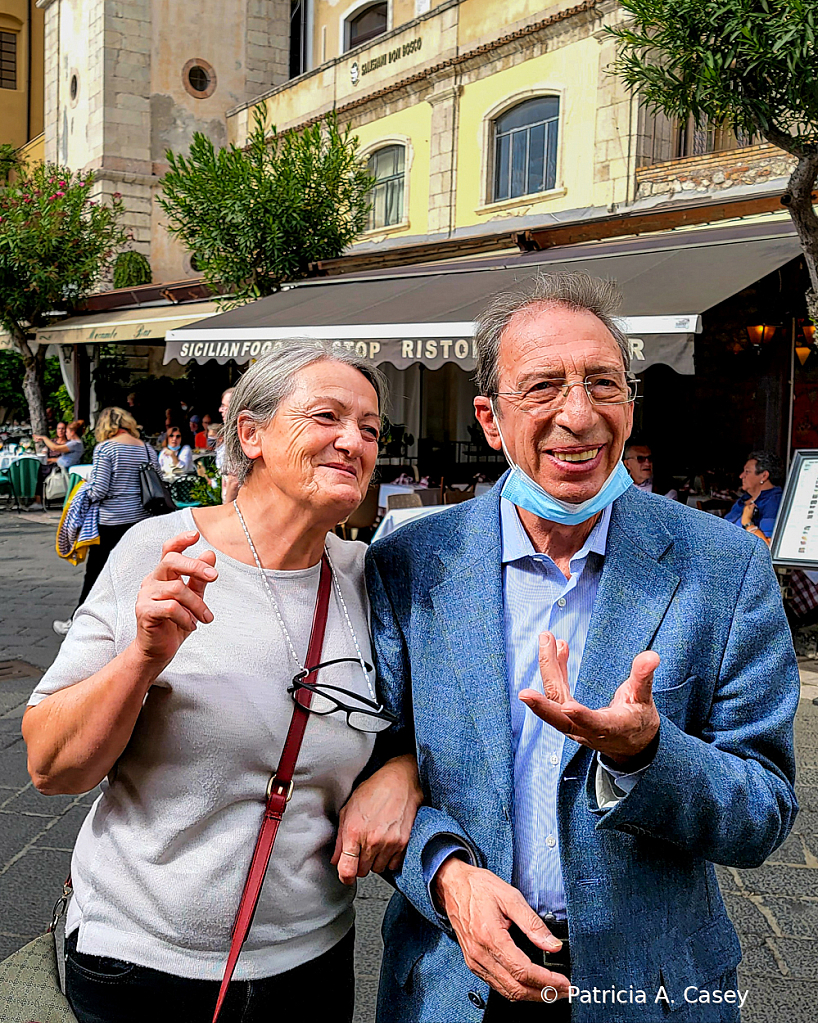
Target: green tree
[(9, 162), (257, 217), (131, 269), (56, 245), (746, 64)]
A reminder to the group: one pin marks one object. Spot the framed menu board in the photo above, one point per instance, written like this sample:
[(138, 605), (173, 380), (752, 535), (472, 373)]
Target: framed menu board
[(795, 537)]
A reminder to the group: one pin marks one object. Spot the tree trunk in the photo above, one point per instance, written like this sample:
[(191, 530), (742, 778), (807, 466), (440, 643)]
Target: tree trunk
[(34, 363), (798, 200)]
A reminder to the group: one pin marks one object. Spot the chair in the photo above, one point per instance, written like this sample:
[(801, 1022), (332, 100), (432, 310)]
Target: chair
[(363, 517), (429, 497), (55, 487), (714, 506), (24, 474), (458, 496), (181, 491), (403, 501)]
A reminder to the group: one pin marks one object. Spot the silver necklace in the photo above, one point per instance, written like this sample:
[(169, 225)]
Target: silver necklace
[(277, 610)]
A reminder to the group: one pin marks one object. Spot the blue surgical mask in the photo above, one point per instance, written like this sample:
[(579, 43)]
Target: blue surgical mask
[(522, 490)]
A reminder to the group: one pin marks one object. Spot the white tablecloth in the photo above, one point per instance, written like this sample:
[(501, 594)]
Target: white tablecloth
[(6, 460), (389, 489), (400, 516), (83, 471)]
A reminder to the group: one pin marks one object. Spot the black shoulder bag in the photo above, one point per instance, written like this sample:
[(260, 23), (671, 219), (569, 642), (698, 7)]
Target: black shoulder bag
[(155, 495)]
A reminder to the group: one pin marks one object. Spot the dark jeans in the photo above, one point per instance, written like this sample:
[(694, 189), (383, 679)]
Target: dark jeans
[(103, 990), (501, 1010), (109, 537)]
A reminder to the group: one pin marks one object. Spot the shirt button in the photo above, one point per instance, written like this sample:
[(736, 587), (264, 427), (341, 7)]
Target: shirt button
[(476, 1000), (550, 841), (561, 602), (554, 758)]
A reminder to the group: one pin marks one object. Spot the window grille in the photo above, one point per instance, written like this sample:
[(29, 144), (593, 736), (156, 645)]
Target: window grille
[(525, 148)]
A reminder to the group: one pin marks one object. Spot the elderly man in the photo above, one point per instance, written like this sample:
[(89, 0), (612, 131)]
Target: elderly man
[(600, 712), (638, 460)]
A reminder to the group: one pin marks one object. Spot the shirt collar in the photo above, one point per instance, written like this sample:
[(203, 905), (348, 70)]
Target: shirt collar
[(516, 543)]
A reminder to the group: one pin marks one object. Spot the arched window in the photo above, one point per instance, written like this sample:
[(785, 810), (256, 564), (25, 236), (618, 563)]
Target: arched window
[(387, 166), (525, 148), (366, 24)]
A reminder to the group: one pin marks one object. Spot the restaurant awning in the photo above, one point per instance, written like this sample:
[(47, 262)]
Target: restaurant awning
[(136, 324), (426, 314)]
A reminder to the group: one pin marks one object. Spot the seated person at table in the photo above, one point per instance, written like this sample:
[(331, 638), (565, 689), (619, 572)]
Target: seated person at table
[(68, 452), (200, 439), (64, 455), (758, 504), (638, 460), (174, 456)]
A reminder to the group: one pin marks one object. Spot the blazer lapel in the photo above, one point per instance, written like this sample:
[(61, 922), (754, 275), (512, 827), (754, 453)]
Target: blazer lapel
[(469, 606), (634, 593)]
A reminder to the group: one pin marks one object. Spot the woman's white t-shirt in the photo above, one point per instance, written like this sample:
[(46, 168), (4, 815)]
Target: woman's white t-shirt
[(161, 860)]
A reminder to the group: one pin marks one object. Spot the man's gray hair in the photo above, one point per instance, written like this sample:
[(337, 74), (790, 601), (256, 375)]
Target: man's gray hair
[(272, 378), (576, 291)]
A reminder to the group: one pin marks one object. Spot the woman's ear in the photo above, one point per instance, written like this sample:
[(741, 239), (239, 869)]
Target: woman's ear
[(249, 432)]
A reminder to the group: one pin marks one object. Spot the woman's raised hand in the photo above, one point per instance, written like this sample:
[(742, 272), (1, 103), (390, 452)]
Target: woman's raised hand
[(167, 607)]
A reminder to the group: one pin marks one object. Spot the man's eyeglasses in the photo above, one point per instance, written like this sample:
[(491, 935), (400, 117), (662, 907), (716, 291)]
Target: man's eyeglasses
[(551, 394), (641, 459), (362, 714)]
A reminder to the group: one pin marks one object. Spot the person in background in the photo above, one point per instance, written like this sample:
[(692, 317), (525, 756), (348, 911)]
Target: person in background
[(230, 485), (115, 486), (638, 459), (757, 506), (200, 438), (195, 426), (59, 433), (174, 455), (62, 453)]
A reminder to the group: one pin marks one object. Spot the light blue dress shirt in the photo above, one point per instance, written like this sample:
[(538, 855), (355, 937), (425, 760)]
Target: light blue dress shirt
[(538, 598)]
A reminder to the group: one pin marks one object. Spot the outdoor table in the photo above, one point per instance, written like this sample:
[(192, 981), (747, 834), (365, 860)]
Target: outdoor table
[(482, 488), (398, 517), (389, 489)]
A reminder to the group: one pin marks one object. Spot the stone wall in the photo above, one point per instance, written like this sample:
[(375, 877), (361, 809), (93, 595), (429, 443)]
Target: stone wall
[(714, 172)]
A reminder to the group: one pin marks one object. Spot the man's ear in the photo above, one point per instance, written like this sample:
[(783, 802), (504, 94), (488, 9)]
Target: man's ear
[(485, 417)]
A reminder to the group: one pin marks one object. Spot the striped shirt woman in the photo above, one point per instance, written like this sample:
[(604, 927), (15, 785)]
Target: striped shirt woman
[(114, 485)]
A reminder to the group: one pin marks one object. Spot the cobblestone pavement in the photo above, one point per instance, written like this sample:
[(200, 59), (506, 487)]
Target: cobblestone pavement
[(774, 908)]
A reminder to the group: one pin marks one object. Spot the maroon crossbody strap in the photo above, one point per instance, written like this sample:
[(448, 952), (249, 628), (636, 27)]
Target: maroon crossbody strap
[(279, 790)]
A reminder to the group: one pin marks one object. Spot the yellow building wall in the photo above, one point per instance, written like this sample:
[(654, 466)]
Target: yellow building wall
[(21, 113), (412, 127), (328, 24), (34, 152), (480, 21), (570, 72)]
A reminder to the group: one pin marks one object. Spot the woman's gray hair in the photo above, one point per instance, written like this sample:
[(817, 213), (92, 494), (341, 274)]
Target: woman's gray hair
[(272, 378), (576, 291)]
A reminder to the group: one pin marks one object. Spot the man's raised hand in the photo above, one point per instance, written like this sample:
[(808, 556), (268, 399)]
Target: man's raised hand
[(621, 730)]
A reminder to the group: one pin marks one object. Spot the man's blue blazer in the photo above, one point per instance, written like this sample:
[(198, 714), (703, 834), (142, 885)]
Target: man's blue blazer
[(644, 908)]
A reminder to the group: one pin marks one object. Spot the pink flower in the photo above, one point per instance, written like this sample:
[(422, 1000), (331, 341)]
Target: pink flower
[(63, 185), (81, 184), (60, 194), (117, 195), (92, 202)]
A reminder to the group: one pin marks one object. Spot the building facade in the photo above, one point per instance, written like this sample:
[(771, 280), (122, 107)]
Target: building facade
[(21, 72), (126, 80), (477, 116)]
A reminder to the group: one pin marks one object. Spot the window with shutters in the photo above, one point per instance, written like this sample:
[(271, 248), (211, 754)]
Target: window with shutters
[(8, 60)]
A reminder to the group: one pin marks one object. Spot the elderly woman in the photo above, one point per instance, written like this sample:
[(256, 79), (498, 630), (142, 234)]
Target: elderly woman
[(181, 708)]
